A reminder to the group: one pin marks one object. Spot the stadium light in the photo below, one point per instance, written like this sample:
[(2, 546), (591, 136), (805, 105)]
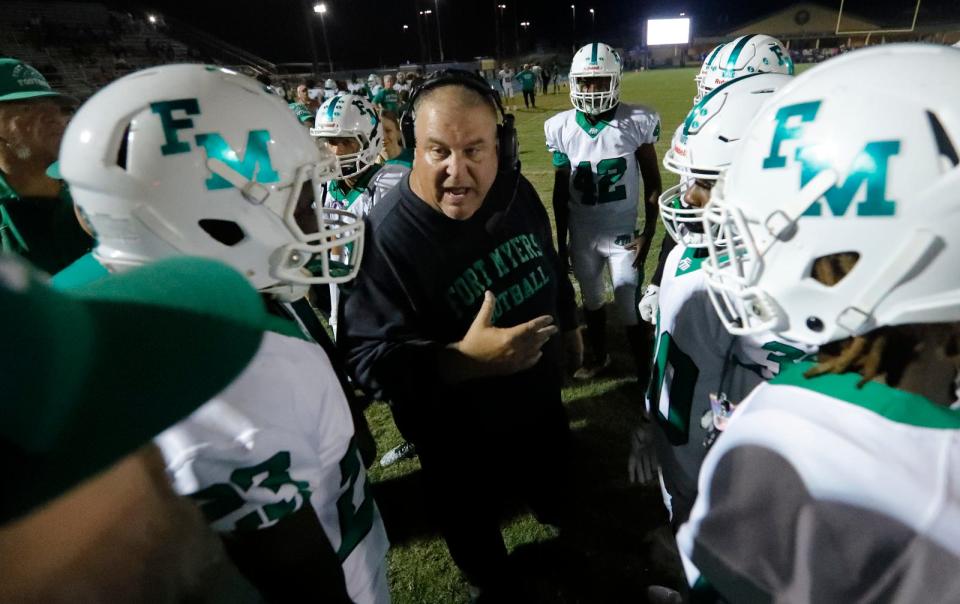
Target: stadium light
[(321, 9), (573, 7), (152, 19), (436, 5)]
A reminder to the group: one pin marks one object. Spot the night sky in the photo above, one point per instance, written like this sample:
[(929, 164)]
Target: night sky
[(365, 33)]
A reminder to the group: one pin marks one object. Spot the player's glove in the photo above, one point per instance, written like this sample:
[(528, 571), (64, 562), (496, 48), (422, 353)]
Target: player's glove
[(648, 304), (642, 464)]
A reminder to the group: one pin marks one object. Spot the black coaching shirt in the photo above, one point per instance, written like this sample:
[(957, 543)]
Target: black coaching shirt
[(420, 286)]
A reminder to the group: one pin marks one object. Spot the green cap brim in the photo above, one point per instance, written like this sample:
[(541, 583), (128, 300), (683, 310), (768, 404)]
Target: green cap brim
[(33, 94), (95, 374)]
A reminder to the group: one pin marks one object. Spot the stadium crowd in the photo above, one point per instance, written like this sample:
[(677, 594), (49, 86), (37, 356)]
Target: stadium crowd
[(208, 278)]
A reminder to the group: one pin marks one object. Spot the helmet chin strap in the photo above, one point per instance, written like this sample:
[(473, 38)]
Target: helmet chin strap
[(918, 247), (780, 222), (251, 190), (287, 292)]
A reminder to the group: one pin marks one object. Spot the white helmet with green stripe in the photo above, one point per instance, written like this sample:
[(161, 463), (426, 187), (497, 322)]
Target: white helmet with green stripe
[(708, 64), (843, 162), (704, 146), (203, 161), (753, 53), (591, 65), (351, 116)]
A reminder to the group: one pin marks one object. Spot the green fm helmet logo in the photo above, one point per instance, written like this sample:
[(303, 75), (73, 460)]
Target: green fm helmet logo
[(255, 162), (781, 59), (868, 168)]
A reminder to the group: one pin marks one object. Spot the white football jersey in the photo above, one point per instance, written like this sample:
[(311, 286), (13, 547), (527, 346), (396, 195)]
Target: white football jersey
[(278, 438), (694, 357), (605, 180), (373, 184), (820, 491), (376, 182)]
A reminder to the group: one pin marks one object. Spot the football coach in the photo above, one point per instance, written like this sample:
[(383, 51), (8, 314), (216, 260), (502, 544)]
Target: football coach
[(463, 319)]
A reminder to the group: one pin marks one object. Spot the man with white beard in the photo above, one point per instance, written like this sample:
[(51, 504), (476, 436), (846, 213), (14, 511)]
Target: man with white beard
[(36, 214)]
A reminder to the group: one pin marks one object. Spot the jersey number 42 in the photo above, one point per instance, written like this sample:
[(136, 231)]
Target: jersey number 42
[(603, 188)]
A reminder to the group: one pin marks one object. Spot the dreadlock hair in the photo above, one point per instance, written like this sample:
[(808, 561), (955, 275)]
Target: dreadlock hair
[(885, 351)]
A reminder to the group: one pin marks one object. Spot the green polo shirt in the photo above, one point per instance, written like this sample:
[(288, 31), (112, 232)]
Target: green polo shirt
[(44, 231), (389, 99), (404, 159), (528, 80), (302, 112)]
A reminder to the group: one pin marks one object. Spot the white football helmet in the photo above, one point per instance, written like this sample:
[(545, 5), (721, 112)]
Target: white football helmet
[(596, 60), (199, 160), (842, 162), (704, 144), (708, 64), (351, 116), (754, 53)]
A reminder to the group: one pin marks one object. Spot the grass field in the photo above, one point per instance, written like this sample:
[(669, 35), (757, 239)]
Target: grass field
[(622, 544)]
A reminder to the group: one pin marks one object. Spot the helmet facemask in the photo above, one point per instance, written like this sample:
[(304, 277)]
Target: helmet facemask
[(597, 101), (683, 222), (351, 117), (328, 242), (238, 188)]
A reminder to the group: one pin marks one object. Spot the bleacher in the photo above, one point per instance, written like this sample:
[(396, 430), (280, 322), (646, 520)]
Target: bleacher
[(80, 47)]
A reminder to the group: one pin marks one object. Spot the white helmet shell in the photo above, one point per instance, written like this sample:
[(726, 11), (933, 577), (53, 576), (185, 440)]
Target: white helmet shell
[(842, 162), (704, 145), (351, 116), (595, 60), (200, 160), (708, 62), (746, 55)]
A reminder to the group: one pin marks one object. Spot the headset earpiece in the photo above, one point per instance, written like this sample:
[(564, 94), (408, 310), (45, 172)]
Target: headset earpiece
[(509, 144), (406, 127)]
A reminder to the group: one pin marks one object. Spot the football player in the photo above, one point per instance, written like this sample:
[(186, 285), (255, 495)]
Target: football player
[(506, 75), (696, 360), (330, 89), (350, 127), (199, 160), (839, 226), (374, 86), (709, 62), (746, 55), (602, 150)]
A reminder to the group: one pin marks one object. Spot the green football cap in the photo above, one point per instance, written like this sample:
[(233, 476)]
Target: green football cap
[(91, 375), (19, 81)]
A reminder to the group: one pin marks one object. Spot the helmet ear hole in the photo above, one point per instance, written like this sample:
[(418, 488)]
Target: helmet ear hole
[(944, 145), (833, 268), (124, 148), (226, 232)]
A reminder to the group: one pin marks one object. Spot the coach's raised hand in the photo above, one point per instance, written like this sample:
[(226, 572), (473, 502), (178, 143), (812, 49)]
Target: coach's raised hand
[(487, 350)]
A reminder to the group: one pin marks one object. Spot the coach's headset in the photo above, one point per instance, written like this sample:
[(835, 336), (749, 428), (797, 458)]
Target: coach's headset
[(508, 153)]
